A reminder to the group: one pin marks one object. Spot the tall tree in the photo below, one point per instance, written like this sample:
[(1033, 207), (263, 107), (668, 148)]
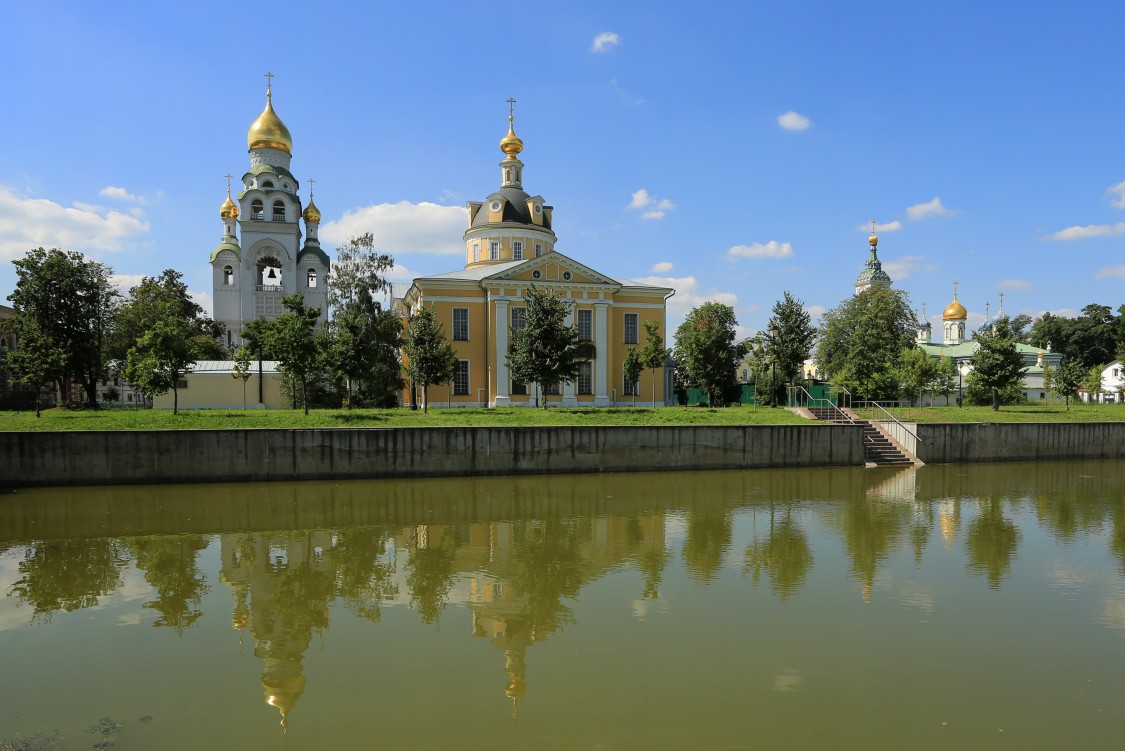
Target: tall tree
[(654, 354), (37, 360), (545, 350), (72, 303), (790, 335), (917, 370), (997, 366), (945, 379), (429, 355), (706, 352), (240, 369), (163, 356), (861, 339), (1093, 382), (631, 369), (158, 298), (1068, 381), (293, 336)]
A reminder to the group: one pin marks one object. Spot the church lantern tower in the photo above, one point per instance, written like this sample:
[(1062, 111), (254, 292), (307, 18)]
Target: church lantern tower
[(954, 317), (872, 274)]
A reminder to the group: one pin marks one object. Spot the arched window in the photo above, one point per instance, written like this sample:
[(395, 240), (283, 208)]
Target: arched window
[(267, 184), (269, 272), (257, 209), (278, 211), (228, 275), (312, 278)]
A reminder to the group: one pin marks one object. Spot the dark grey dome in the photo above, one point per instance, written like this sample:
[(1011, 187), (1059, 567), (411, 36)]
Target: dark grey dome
[(515, 208)]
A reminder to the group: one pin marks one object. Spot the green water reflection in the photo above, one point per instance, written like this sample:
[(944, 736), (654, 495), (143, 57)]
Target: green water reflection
[(946, 607)]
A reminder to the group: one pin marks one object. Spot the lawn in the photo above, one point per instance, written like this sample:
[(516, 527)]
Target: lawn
[(1052, 412)]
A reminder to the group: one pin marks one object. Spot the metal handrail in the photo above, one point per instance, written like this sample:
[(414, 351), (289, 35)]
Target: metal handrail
[(877, 405), (820, 402)]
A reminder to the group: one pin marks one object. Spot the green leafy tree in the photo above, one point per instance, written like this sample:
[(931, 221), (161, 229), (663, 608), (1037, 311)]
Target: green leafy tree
[(1048, 380), (785, 555), (429, 355), (37, 360), (862, 338), (72, 303), (1020, 325), (545, 350), (163, 356), (654, 354), (916, 371), (156, 298), (790, 335), (945, 379), (997, 366), (706, 352), (631, 369), (1068, 381), (240, 369), (1093, 382), (759, 363), (294, 340)]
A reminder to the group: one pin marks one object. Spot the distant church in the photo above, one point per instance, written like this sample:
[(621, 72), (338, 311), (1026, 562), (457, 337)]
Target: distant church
[(261, 257)]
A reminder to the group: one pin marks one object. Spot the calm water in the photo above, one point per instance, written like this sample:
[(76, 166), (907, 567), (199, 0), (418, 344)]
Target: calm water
[(944, 608)]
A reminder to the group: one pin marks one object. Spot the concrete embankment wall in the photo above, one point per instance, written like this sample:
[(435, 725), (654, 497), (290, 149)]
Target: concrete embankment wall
[(128, 457), (1002, 442)]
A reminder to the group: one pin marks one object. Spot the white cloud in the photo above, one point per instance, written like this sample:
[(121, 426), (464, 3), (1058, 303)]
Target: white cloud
[(125, 282), (816, 311), (1114, 271), (653, 207), (203, 300), (404, 227), (1014, 284), (933, 207), (1119, 191), (605, 41), (402, 274), (27, 223), (902, 267), (688, 295), (120, 194), (772, 249), (793, 121), (894, 226), (1090, 230), (626, 97), (662, 267)]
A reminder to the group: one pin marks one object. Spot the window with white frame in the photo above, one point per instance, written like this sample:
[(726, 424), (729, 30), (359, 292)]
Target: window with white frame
[(585, 325), (476, 251), (585, 377), (629, 388), (538, 249), (517, 250), (630, 328), (461, 379), (312, 278), (519, 318), (551, 390), (461, 324), (494, 250)]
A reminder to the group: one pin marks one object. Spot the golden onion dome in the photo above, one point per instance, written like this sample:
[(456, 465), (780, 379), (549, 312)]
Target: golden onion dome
[(955, 312), (511, 144), (229, 209), (268, 132), (312, 213), (874, 239)]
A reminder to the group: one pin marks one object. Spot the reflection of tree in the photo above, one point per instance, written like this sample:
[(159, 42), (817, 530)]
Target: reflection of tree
[(68, 574), (653, 560), (430, 572), (1068, 514), (363, 575), (920, 530), (708, 537), (785, 555), (871, 529), (1117, 538), (992, 541), (547, 566), (169, 565), (303, 592)]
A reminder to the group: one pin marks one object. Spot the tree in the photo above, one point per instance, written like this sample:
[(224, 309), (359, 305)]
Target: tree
[(654, 354), (631, 369), (293, 339), (37, 360), (997, 365), (790, 335), (706, 353), (1069, 380), (916, 371), (73, 304), (759, 361), (861, 339), (945, 379), (241, 369), (163, 356), (429, 355), (1048, 381), (545, 350), (1093, 382), (158, 297)]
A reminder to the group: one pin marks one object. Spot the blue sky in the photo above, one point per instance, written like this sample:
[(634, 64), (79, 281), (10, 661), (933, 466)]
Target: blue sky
[(730, 150)]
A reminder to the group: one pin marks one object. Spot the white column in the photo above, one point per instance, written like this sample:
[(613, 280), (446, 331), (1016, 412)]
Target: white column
[(601, 362), (569, 397), (502, 398)]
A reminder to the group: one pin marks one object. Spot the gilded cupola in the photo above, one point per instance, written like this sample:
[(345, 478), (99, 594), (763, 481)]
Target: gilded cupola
[(311, 213), (229, 209), (268, 132)]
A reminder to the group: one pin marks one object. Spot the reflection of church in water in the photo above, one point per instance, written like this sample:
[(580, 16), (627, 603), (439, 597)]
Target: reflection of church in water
[(514, 577)]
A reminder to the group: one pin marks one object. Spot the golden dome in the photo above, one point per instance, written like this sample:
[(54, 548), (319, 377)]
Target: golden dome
[(268, 132), (312, 213), (955, 312), (874, 239), (229, 210), (511, 144)]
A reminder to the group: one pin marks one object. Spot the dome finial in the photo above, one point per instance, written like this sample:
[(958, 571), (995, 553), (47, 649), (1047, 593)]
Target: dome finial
[(511, 144), (269, 84), (874, 239), (311, 213)]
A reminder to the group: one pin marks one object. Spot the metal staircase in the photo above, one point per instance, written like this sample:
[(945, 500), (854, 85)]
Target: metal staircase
[(878, 449)]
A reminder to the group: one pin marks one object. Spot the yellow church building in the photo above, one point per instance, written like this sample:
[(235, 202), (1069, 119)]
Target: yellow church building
[(510, 246)]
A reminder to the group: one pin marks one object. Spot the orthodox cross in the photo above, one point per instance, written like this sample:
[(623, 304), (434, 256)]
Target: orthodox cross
[(873, 226), (228, 176), (1000, 311), (312, 183), (511, 108), (954, 289), (986, 307), (269, 80)]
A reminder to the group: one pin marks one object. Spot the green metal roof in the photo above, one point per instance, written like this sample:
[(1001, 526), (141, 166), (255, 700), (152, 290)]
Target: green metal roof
[(233, 247), (317, 251), (258, 169)]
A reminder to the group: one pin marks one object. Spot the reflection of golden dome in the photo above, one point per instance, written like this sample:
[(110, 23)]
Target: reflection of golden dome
[(283, 693), (228, 210), (312, 213), (268, 132), (955, 312), (511, 144), (515, 689)]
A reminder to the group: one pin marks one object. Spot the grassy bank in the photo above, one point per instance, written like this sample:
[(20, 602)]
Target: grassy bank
[(1020, 413)]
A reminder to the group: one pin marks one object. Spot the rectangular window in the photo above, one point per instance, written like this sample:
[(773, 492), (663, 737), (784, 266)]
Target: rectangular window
[(585, 325), (630, 328), (461, 379), (538, 249), (585, 377), (519, 389), (551, 390), (630, 388), (517, 250), (494, 250), (461, 324), (519, 318), (476, 251)]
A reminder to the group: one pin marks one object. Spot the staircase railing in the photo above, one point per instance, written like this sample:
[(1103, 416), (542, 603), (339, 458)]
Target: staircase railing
[(890, 417), (799, 396)]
